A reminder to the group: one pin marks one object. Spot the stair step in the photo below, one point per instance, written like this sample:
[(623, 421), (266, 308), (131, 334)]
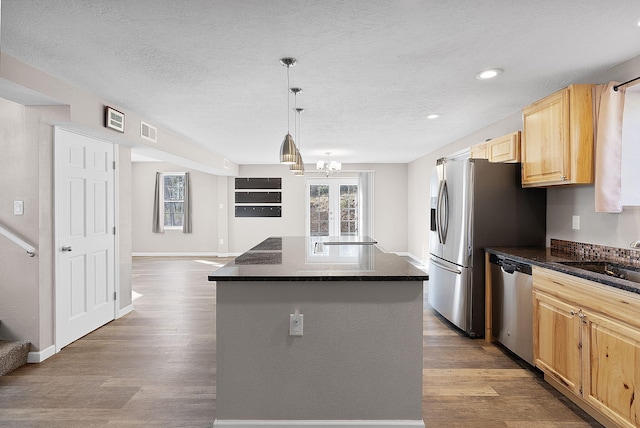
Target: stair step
[(12, 355)]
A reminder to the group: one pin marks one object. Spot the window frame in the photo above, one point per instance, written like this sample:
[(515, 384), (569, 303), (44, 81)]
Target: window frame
[(164, 188)]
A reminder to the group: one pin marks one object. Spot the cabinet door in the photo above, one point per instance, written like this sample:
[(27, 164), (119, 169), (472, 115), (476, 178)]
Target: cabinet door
[(611, 358), (479, 151), (545, 151), (505, 149), (556, 340)]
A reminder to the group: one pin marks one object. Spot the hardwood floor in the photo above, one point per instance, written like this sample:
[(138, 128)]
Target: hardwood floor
[(155, 367)]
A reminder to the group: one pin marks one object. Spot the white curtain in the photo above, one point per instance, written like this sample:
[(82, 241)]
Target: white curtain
[(609, 107), (365, 191), (158, 210), (186, 219)]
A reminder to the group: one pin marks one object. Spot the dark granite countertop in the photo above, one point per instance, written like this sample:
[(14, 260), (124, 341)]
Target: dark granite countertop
[(553, 259), (298, 258)]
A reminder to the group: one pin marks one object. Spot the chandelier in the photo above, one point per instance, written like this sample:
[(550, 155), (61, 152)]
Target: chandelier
[(329, 167)]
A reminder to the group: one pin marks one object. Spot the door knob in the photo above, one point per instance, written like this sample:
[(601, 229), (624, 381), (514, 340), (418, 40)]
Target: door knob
[(66, 249)]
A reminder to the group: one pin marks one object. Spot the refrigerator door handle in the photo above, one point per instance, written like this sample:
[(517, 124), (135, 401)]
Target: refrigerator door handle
[(443, 211), (439, 211), (447, 268)]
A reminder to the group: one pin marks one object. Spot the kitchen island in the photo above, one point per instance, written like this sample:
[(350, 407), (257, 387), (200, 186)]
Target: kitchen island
[(319, 332)]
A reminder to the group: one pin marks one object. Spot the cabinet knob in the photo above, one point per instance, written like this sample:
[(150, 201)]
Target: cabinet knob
[(572, 312), (563, 177), (581, 315)]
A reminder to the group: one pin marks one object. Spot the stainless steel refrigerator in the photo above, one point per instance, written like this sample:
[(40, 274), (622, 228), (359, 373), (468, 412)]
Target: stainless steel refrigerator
[(476, 204)]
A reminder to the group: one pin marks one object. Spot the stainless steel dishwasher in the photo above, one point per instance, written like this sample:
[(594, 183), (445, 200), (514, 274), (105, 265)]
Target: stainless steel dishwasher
[(512, 305)]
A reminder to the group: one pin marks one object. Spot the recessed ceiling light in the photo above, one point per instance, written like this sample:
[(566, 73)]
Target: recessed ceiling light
[(488, 74), (433, 116)]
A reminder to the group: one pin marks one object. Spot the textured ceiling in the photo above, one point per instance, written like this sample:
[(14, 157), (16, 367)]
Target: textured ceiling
[(370, 70)]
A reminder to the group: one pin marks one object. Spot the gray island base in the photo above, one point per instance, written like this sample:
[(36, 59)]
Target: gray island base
[(358, 360)]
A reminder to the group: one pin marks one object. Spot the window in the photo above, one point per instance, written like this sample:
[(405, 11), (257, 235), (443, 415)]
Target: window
[(173, 200), (348, 209)]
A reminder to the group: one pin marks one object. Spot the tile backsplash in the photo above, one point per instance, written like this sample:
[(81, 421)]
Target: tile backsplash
[(594, 252)]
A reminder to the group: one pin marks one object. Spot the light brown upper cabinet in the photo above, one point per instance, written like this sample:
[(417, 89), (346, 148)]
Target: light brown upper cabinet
[(502, 149), (557, 141), (479, 151)]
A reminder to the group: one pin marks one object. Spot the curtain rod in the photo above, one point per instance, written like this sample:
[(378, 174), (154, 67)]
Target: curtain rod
[(615, 88)]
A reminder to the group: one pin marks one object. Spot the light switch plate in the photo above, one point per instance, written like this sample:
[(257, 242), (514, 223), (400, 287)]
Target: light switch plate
[(18, 207), (575, 222)]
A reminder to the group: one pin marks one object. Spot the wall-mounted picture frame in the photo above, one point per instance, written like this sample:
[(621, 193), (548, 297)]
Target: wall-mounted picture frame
[(114, 119)]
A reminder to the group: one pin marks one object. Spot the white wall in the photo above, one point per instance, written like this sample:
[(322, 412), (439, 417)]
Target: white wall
[(204, 193)]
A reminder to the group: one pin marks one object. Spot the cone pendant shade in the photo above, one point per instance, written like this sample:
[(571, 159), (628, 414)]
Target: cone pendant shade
[(297, 167), (288, 151)]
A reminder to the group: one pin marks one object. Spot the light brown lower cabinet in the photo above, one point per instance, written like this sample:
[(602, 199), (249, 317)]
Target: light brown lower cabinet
[(587, 343)]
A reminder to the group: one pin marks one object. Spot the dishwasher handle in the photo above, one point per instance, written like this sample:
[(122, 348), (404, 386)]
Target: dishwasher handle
[(510, 266)]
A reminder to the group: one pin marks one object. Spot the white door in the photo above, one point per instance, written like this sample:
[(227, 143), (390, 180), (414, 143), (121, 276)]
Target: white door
[(332, 207), (85, 240)]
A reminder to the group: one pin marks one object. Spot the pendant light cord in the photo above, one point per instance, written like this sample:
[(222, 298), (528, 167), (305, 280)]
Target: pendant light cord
[(288, 97), (296, 119)]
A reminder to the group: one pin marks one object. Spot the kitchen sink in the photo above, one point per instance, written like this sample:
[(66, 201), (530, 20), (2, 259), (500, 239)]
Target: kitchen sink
[(610, 269)]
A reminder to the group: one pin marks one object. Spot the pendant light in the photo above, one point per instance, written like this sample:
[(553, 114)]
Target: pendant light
[(298, 167), (288, 148)]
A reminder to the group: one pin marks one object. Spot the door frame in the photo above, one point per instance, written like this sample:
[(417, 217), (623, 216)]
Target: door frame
[(56, 239), (333, 182)]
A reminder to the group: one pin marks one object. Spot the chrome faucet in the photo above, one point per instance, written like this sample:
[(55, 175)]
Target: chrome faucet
[(635, 244)]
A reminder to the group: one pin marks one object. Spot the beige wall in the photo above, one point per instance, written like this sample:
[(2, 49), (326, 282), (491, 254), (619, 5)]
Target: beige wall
[(616, 230), (31, 86), (19, 274), (27, 307), (390, 206), (204, 190), (125, 223), (26, 173), (245, 232), (419, 174)]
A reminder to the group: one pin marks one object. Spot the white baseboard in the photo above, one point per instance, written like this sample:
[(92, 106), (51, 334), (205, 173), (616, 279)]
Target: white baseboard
[(175, 254), (187, 254), (124, 311), (423, 264), (235, 423), (38, 357)]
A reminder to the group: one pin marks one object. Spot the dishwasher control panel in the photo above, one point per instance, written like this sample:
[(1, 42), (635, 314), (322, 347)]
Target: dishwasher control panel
[(510, 266)]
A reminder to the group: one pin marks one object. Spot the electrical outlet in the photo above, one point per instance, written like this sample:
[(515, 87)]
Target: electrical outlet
[(296, 322), (575, 222)]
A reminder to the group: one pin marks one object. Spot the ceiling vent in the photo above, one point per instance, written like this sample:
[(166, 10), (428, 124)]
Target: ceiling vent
[(148, 132)]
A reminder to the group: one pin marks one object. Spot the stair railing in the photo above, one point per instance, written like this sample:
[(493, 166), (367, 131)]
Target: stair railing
[(31, 251)]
